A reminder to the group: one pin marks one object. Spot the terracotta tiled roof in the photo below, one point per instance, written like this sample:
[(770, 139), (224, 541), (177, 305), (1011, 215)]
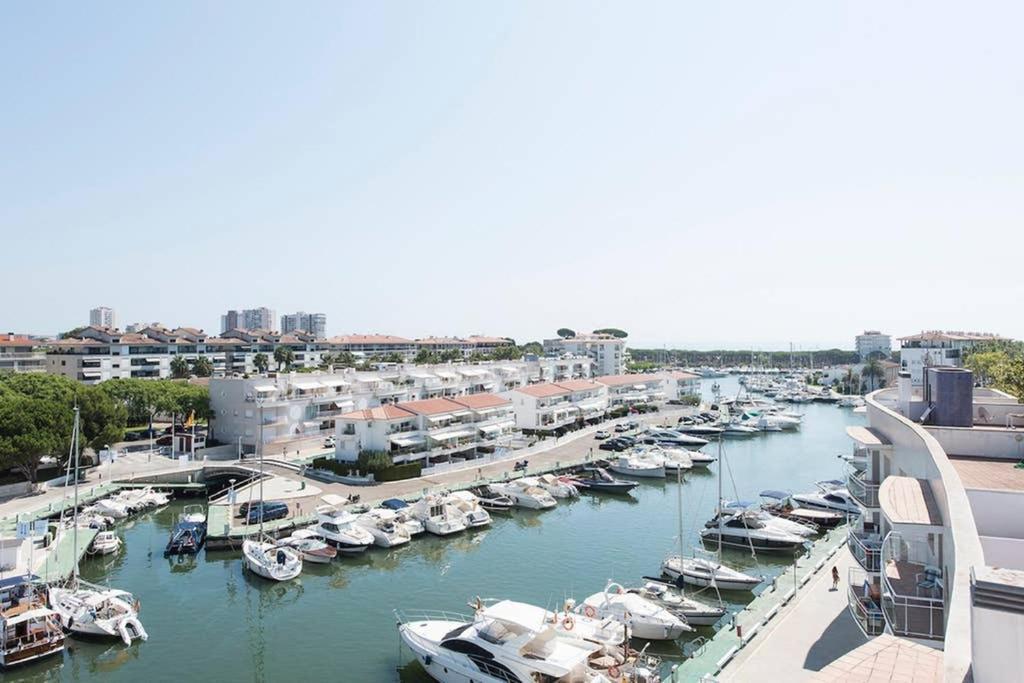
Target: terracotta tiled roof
[(439, 341), (481, 401), (369, 339), (678, 374), (543, 390), (388, 412), (17, 340), (480, 339), (579, 385), (431, 406)]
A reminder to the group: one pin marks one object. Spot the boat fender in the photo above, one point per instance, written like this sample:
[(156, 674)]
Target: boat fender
[(71, 622), (427, 659), (589, 611), (568, 623)]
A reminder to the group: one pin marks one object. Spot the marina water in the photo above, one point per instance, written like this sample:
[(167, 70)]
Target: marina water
[(208, 620)]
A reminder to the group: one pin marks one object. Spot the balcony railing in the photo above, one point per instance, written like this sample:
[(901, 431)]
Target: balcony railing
[(862, 598), (866, 549), (913, 589), (865, 492)]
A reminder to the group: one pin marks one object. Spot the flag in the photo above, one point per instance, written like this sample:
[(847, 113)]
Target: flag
[(191, 421)]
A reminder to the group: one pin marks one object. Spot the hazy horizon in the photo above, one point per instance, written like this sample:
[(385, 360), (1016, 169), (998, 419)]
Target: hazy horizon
[(739, 175)]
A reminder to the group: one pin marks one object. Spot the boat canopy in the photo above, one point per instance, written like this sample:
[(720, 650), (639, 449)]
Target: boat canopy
[(778, 495), (394, 504)]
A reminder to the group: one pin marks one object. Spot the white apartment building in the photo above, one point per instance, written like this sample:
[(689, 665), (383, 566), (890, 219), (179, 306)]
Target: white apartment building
[(297, 401), (314, 324), (607, 352), (551, 407), (21, 354), (248, 319), (628, 390), (936, 347), (435, 429), (365, 345), (873, 341), (939, 545), (680, 384), (101, 316)]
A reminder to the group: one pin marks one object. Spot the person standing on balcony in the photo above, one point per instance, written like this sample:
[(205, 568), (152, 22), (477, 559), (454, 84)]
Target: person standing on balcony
[(835, 578)]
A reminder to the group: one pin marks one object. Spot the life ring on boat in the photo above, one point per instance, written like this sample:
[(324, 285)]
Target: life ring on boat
[(568, 623), (589, 611), (613, 671)]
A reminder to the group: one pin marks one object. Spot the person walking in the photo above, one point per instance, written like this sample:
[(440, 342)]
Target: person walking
[(835, 578)]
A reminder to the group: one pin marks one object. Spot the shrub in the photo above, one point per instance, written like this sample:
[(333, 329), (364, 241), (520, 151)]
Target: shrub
[(690, 400), (373, 461), (409, 470)]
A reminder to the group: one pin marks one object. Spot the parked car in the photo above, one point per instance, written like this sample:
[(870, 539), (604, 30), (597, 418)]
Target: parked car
[(270, 510), (628, 440), (601, 434), (621, 427), (132, 436), (330, 442), (613, 445), (633, 424)]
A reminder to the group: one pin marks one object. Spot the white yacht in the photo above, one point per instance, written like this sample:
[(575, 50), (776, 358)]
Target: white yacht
[(312, 547), (696, 612), (438, 517), (112, 508), (105, 543), (404, 515), (555, 486), (385, 527), (193, 514), (515, 642), (672, 459), (469, 505), (91, 610), (524, 495), (747, 531), (831, 498), (790, 526), (702, 572), (638, 466), (700, 458), (339, 528), (271, 561), (644, 618)]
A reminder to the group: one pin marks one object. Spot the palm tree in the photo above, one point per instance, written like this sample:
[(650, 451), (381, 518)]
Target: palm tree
[(284, 357), (872, 370), (260, 362), (203, 367), (179, 367)]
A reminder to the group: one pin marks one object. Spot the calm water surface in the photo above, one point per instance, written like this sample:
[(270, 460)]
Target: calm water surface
[(208, 620)]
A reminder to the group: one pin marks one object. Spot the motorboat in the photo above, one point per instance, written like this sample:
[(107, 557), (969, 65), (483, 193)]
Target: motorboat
[(696, 612), (91, 610), (515, 642), (339, 529), (385, 526), (112, 508), (469, 505), (700, 458), (850, 402), (598, 479), (105, 543), (526, 496), (312, 547), (736, 428), (493, 501), (701, 430), (196, 514), (702, 572), (638, 466), (672, 459), (438, 517), (555, 486), (644, 618), (404, 515), (673, 437), (830, 498), (606, 631), (90, 518), (186, 538), (780, 504), (747, 531), (29, 630), (793, 526), (270, 560)]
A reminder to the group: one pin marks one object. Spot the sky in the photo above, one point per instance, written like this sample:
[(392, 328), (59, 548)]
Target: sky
[(702, 175)]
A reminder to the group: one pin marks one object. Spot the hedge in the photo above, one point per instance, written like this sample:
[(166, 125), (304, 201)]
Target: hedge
[(407, 470)]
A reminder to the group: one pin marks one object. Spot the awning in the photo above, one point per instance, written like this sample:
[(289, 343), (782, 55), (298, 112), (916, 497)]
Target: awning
[(310, 424), (265, 387), (448, 436), (153, 360), (640, 387), (447, 375), (472, 372), (634, 399), (333, 382), (497, 427), (91, 373), (344, 405), (596, 404), (307, 384), (404, 440), (422, 375), (488, 385), (443, 416)]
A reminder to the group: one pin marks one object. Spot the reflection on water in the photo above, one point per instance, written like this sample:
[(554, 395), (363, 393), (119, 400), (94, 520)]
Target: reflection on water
[(209, 620)]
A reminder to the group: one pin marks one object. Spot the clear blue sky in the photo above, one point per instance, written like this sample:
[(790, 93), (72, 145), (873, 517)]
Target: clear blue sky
[(743, 173)]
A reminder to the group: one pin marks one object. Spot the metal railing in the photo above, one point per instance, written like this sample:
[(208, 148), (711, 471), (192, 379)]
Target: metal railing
[(861, 489), (862, 603), (910, 565), (866, 549)]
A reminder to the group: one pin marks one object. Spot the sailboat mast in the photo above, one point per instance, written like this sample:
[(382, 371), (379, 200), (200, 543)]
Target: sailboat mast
[(679, 502), (74, 531), (718, 504)]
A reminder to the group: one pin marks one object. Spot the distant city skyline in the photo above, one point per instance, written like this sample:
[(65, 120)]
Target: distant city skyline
[(700, 175)]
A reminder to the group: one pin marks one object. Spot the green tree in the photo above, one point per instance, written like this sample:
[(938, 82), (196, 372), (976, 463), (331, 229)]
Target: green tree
[(284, 357), (203, 367), (179, 368), (450, 355), (425, 357), (260, 362), (872, 371), (565, 333), (613, 331), (31, 428), (533, 347), (345, 359), (507, 352), (1009, 376), (985, 365)]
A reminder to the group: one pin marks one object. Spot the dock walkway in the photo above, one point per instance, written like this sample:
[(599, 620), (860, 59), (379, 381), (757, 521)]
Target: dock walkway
[(737, 654)]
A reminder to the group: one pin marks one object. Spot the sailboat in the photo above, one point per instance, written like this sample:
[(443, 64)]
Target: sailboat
[(266, 558), (703, 572), (89, 609)]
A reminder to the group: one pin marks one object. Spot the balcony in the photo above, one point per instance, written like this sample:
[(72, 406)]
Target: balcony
[(863, 596), (866, 549), (862, 489), (913, 590)]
